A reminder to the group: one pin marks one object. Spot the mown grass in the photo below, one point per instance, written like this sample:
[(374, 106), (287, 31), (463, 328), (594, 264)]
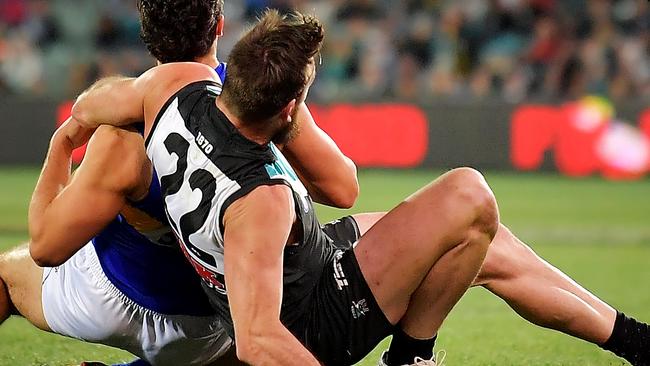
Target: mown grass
[(596, 231)]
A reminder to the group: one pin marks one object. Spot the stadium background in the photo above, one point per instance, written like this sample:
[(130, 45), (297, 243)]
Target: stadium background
[(549, 98)]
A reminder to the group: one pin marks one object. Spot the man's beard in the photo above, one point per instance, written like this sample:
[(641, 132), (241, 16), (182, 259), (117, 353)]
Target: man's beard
[(286, 133)]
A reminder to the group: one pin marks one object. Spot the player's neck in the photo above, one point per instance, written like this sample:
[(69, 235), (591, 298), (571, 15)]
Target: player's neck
[(210, 58), (254, 135)]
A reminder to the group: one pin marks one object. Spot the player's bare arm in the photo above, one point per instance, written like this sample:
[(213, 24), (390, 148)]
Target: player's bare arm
[(115, 98), (120, 101), (329, 175), (257, 228), (66, 211)]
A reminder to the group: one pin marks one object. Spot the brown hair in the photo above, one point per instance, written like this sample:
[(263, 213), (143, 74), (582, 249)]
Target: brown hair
[(179, 30), (267, 67)]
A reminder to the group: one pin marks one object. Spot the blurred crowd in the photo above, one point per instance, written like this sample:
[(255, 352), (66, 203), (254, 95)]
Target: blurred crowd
[(420, 50)]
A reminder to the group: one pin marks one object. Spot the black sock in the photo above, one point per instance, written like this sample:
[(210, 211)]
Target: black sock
[(404, 348), (630, 340)]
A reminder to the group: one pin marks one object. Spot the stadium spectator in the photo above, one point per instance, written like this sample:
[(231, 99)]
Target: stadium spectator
[(507, 50)]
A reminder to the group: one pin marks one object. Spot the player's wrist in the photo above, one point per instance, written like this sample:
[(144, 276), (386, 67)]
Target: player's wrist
[(72, 135), (60, 144)]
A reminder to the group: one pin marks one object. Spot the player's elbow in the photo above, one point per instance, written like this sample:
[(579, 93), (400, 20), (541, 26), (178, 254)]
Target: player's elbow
[(343, 191), (82, 111), (346, 197), (255, 343), (350, 192), (41, 250), (44, 261), (248, 352), (250, 348), (42, 256)]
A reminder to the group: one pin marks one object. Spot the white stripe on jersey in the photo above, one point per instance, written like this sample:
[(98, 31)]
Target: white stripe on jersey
[(208, 238)]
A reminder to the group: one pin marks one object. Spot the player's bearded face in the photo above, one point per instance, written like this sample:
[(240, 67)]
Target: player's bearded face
[(292, 129), (289, 131)]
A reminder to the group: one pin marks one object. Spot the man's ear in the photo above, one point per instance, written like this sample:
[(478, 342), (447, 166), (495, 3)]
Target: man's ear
[(220, 23), (287, 111)]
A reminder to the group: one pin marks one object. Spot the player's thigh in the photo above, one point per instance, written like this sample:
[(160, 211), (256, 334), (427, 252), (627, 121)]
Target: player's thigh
[(23, 279), (399, 249), (367, 220)]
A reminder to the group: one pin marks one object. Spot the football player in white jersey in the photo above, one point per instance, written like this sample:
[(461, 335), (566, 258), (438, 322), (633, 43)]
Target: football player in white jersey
[(511, 271)]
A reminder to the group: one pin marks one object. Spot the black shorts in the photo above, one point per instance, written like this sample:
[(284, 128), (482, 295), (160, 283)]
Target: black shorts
[(344, 232), (344, 322)]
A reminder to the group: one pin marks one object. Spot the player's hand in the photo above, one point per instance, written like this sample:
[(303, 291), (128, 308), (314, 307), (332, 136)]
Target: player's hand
[(74, 134)]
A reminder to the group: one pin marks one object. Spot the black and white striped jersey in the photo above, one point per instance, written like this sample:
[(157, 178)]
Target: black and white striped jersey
[(204, 164)]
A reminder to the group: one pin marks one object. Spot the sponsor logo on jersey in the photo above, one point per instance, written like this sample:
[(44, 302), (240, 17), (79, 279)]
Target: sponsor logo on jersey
[(359, 308)]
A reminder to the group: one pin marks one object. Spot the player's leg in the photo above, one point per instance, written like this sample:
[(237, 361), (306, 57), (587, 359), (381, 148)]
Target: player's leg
[(22, 280), (421, 257), (365, 221), (541, 293), (545, 296), (536, 290)]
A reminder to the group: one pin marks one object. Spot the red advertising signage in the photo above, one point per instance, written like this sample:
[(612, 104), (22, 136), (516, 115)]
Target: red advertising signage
[(584, 138), (377, 135)]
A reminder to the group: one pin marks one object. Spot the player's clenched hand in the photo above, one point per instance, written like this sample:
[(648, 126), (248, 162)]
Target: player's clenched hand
[(73, 134)]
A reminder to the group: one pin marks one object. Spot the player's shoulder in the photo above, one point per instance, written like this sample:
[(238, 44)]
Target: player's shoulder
[(160, 83)]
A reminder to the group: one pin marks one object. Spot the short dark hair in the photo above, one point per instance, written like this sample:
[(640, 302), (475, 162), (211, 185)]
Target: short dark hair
[(266, 68), (179, 30)]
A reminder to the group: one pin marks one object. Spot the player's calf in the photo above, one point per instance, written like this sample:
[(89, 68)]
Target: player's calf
[(545, 296), (541, 293)]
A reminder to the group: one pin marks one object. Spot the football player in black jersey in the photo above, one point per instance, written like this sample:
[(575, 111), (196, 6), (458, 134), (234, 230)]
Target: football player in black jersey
[(532, 287)]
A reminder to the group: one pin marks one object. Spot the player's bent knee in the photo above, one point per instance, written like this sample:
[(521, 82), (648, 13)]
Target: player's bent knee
[(465, 173), (488, 218), (469, 189)]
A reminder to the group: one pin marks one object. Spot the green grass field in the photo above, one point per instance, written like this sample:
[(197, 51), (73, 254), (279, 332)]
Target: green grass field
[(597, 232)]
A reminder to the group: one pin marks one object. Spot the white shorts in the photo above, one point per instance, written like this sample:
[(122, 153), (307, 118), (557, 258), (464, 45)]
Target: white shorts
[(80, 302)]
